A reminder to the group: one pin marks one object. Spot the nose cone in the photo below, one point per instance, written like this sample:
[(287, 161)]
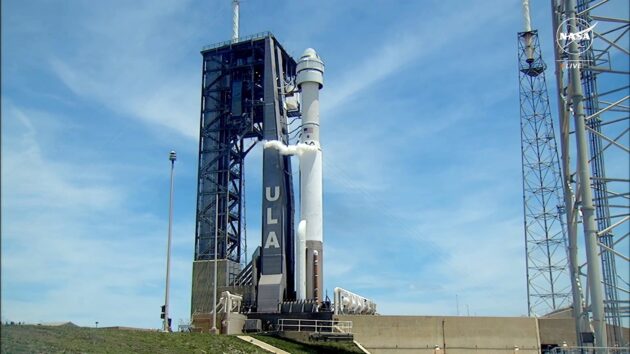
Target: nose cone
[(310, 68), (310, 53)]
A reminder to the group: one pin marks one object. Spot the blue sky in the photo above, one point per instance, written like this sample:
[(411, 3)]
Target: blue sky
[(420, 131)]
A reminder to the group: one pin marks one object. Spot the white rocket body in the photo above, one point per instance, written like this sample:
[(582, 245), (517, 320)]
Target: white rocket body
[(300, 260), (310, 79)]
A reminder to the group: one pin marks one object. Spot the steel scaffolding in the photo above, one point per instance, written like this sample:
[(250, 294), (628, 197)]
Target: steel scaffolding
[(592, 74), (548, 282), (231, 112), (241, 104)]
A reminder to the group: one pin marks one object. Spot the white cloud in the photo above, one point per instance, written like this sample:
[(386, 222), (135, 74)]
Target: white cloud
[(72, 250), (409, 45), (114, 65), (35, 182)]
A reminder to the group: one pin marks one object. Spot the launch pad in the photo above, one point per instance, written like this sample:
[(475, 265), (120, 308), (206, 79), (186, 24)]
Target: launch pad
[(251, 88)]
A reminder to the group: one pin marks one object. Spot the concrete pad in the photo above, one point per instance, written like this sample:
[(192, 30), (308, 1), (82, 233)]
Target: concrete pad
[(263, 345), (361, 347)]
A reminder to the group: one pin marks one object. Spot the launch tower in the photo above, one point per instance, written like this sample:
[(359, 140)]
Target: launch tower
[(243, 101)]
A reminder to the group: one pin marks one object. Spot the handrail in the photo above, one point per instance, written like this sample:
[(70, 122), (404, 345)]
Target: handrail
[(300, 325), (240, 39), (590, 350)]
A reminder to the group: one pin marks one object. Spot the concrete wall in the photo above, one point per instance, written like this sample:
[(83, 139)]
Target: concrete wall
[(226, 323), (557, 330), (625, 331), (454, 335)]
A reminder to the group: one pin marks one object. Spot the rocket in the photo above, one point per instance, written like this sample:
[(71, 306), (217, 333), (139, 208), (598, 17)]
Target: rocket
[(309, 252), (309, 255)]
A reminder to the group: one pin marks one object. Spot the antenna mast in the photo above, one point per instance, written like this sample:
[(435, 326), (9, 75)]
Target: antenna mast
[(235, 19)]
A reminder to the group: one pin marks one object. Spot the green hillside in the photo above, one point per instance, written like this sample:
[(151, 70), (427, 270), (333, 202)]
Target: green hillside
[(49, 339), (45, 339)]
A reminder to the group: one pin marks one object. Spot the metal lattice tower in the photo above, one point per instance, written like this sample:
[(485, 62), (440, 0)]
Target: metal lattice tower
[(240, 106), (548, 283), (592, 74)]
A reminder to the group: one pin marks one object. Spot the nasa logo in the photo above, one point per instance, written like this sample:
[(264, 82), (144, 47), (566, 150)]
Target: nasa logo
[(582, 35)]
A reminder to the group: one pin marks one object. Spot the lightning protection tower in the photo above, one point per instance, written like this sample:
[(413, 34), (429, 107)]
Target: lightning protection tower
[(548, 282), (592, 75)]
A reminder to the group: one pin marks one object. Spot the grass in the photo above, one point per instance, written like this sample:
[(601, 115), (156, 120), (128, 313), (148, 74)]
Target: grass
[(293, 346), (46, 339), (50, 339)]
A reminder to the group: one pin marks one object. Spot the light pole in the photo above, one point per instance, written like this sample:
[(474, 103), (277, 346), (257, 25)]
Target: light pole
[(167, 326)]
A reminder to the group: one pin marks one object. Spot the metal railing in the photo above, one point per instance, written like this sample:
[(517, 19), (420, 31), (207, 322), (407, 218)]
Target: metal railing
[(240, 39), (590, 350), (299, 325)]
